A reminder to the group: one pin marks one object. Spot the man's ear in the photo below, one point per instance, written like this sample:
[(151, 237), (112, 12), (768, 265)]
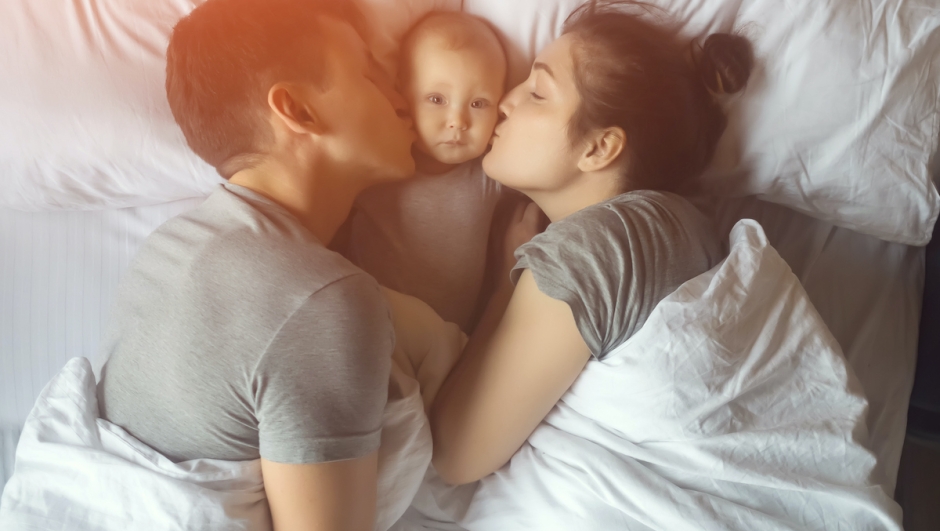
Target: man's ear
[(293, 106), (602, 149)]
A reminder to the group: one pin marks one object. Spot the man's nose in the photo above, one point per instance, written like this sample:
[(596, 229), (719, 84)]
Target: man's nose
[(398, 103), (391, 93)]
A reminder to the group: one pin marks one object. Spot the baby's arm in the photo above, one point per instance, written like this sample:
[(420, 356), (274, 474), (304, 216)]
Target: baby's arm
[(424, 342)]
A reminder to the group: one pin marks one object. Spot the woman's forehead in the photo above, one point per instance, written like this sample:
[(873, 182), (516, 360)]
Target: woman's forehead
[(555, 61)]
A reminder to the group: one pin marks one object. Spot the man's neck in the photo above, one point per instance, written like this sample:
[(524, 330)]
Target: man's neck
[(320, 204)]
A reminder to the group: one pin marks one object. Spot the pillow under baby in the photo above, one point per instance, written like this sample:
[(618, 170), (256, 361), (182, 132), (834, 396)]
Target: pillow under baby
[(84, 121), (841, 113)]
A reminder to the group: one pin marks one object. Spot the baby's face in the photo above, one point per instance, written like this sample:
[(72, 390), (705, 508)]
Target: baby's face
[(453, 95)]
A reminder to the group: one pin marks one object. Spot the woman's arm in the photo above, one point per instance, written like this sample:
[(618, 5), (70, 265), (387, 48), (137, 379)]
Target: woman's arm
[(514, 369)]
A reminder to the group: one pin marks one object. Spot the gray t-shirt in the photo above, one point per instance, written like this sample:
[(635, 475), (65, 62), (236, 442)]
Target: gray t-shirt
[(427, 237), (613, 262), (235, 334)]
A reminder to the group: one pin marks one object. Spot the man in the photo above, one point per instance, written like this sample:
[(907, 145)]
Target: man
[(235, 333)]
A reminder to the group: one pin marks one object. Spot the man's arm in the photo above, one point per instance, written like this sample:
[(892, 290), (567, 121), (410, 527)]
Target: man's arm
[(337, 496), (321, 389)]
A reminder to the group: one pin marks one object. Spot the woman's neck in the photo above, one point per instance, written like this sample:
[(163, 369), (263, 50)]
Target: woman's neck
[(589, 189)]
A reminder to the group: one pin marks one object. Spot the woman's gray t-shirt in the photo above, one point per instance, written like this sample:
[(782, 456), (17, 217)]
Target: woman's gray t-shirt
[(614, 261)]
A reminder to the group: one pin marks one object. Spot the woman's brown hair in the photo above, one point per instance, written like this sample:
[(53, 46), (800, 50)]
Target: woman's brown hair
[(638, 76)]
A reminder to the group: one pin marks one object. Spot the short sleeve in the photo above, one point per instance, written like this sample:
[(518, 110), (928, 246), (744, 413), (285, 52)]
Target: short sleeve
[(613, 262), (320, 388)]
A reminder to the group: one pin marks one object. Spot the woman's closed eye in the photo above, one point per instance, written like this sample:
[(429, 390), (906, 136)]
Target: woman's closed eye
[(536, 97)]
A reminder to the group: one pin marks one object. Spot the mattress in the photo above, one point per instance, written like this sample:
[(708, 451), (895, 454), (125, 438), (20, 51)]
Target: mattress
[(59, 270)]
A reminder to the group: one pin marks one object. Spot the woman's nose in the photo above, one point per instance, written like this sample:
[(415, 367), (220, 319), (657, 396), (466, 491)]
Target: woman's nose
[(503, 109), (506, 105), (501, 117)]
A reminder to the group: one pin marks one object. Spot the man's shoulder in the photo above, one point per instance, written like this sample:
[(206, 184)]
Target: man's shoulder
[(232, 236)]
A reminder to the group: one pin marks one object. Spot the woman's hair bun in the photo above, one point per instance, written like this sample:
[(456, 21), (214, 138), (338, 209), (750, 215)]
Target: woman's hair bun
[(725, 63)]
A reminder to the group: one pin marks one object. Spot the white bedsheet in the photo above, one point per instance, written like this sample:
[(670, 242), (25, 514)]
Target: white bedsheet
[(869, 294), (58, 271)]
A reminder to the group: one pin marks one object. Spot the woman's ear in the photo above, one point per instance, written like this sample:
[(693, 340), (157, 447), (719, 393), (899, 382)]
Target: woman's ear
[(291, 104), (602, 149)]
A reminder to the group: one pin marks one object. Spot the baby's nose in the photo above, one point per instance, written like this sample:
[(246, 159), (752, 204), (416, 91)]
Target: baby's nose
[(458, 120)]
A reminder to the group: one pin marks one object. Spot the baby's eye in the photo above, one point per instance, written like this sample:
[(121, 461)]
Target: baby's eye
[(436, 99), (478, 104)]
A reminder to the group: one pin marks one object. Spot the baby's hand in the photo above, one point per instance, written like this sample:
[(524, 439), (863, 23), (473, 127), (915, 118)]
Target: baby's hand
[(426, 347), (527, 221)]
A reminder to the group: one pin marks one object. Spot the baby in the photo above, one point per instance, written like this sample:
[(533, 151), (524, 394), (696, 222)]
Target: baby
[(427, 237)]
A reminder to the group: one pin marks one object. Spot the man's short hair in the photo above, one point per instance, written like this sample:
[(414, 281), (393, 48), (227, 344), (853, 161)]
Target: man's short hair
[(223, 59)]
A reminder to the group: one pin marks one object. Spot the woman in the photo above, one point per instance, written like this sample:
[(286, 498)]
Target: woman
[(612, 117)]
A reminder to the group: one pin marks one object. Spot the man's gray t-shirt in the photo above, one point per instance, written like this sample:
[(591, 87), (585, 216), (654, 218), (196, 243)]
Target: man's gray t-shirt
[(613, 262), (235, 334), (427, 237)]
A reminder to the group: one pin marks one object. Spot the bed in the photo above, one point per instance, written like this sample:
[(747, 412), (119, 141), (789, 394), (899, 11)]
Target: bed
[(850, 225), (59, 271)]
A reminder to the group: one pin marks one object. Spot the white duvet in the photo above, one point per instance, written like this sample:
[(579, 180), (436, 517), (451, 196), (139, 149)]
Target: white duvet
[(77, 472), (732, 408)]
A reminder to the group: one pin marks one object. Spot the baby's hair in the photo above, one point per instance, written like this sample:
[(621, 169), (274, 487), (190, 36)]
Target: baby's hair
[(456, 30)]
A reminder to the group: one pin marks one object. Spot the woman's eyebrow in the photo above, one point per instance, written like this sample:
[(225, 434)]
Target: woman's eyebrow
[(542, 66)]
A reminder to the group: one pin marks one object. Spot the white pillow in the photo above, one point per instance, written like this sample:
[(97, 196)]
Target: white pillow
[(84, 122), (841, 114)]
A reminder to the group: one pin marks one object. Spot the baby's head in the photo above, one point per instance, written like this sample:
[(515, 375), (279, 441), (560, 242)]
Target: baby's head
[(452, 73)]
